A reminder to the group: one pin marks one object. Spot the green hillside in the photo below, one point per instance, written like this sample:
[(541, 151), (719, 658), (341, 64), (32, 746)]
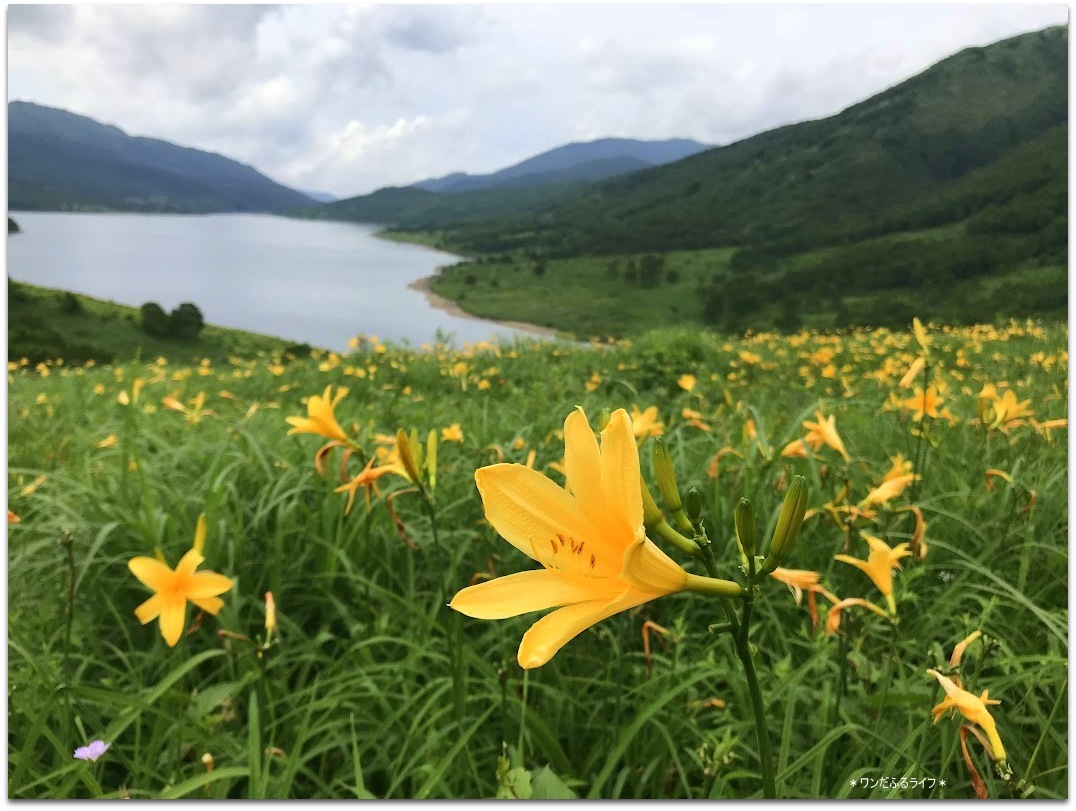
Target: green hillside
[(944, 196), (817, 179), (60, 161), (420, 210)]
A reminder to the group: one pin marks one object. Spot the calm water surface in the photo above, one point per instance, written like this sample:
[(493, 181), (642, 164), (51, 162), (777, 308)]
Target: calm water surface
[(304, 280)]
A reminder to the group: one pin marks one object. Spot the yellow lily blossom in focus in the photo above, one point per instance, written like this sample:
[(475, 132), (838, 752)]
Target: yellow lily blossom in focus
[(879, 565), (590, 540), (321, 419), (174, 588), (646, 423), (972, 707)]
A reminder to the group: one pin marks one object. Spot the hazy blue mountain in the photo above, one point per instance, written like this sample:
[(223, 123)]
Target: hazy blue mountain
[(320, 196), (572, 163), (58, 160)]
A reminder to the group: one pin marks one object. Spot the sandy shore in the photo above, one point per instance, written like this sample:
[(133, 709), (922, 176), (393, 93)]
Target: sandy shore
[(448, 306)]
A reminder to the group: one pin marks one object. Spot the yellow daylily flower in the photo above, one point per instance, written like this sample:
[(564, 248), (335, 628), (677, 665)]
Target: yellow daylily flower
[(320, 419), (912, 373), (108, 442), (174, 588), (646, 423), (687, 382), (972, 707), (923, 403), (591, 541), (888, 490), (879, 565), (368, 477), (452, 433), (822, 432)]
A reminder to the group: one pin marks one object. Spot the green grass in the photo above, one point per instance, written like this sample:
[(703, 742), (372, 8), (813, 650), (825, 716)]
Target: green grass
[(581, 296), (42, 327), (376, 688)]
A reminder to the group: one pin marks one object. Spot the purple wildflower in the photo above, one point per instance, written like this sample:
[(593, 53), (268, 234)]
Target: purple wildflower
[(93, 751)]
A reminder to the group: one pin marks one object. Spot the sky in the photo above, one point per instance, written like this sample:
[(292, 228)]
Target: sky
[(347, 99)]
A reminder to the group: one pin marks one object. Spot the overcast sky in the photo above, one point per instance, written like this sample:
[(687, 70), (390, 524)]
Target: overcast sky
[(350, 98)]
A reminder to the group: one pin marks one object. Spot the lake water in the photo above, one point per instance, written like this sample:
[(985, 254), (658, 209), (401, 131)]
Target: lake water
[(303, 280)]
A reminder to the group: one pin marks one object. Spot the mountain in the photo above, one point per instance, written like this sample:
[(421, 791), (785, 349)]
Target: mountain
[(945, 196), (814, 182), (58, 160), (320, 196), (584, 161), (520, 189)]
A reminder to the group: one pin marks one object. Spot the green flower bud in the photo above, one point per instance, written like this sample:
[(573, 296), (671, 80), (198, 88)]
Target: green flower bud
[(663, 469), (693, 505), (744, 518), (431, 457), (788, 524), (652, 515), (407, 458), (603, 418)]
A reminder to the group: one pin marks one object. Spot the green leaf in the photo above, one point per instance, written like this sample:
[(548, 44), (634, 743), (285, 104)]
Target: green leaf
[(547, 786)]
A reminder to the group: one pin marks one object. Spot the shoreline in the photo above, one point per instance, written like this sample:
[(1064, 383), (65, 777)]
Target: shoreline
[(446, 305)]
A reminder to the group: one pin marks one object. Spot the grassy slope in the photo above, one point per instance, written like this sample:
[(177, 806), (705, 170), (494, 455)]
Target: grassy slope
[(105, 329)]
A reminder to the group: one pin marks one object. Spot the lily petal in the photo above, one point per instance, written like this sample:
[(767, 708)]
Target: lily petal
[(149, 610), (151, 572), (529, 511), (207, 584), (211, 605), (188, 563), (520, 593), (582, 463), (620, 476), (554, 631), (173, 618)]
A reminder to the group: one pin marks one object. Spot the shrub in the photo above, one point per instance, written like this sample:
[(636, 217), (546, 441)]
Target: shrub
[(185, 321), (69, 304), (154, 320)]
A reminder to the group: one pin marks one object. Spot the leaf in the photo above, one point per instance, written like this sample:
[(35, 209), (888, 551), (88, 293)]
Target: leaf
[(515, 784), (547, 786)]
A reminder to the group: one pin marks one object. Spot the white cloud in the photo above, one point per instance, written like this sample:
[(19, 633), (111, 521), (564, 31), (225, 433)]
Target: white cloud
[(348, 98)]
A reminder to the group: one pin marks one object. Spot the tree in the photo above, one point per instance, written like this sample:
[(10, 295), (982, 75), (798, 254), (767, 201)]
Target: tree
[(185, 321), (154, 320)]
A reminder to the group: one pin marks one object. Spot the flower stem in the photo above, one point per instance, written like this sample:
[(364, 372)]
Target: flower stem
[(743, 650)]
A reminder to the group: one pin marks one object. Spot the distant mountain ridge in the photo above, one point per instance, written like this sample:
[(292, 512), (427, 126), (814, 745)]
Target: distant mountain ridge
[(58, 160), (582, 161), (813, 182), (520, 189)]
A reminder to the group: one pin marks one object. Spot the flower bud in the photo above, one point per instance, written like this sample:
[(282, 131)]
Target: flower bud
[(199, 535), (603, 418), (407, 459), (431, 457), (744, 518), (693, 505), (270, 614), (652, 515), (788, 524), (208, 762), (670, 494)]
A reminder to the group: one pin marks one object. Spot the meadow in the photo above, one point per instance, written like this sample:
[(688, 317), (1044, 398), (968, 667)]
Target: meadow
[(334, 668)]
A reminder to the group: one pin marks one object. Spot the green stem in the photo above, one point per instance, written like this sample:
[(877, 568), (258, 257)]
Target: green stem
[(433, 518), (769, 788)]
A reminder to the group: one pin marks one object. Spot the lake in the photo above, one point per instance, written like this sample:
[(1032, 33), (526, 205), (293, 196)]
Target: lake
[(303, 280)]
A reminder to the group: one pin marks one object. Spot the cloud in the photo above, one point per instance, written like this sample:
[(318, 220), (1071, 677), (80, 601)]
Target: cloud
[(348, 98)]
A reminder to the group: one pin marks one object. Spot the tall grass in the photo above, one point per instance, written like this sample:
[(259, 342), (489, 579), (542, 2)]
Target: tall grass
[(374, 688)]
